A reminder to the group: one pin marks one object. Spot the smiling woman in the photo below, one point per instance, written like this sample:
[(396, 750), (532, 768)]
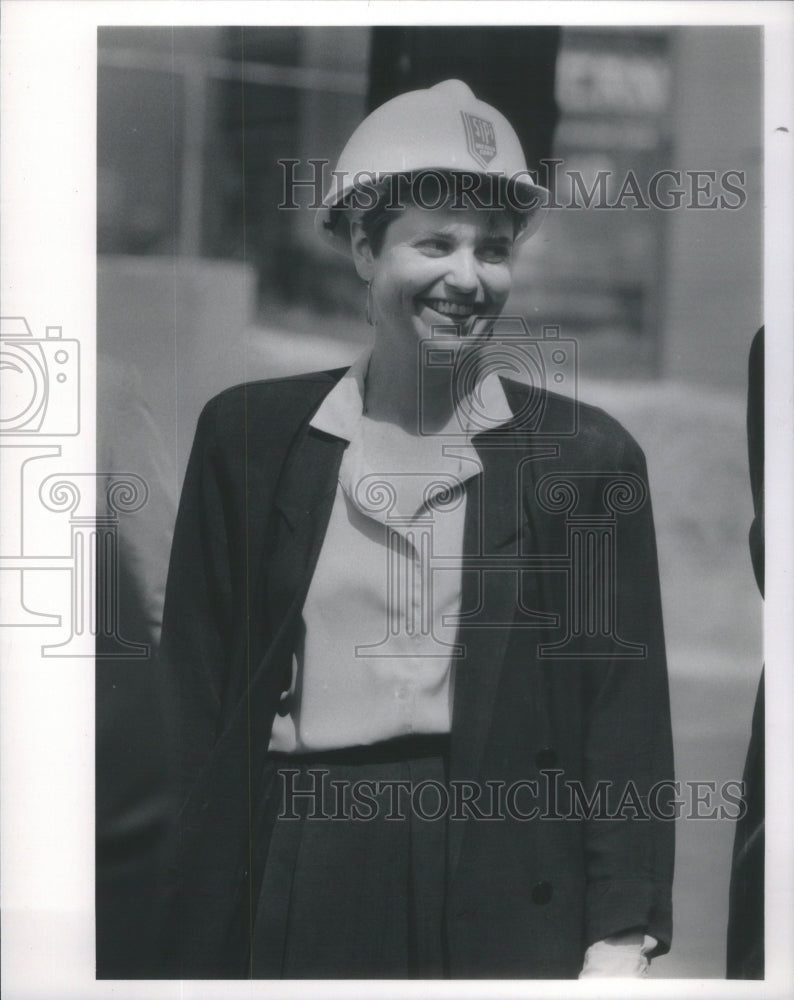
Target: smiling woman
[(411, 577), (435, 272)]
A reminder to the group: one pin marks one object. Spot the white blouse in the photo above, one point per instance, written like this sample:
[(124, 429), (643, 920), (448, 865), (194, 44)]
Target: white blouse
[(377, 649)]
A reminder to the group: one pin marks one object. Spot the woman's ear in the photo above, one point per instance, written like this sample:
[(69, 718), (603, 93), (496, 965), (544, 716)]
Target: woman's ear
[(362, 251)]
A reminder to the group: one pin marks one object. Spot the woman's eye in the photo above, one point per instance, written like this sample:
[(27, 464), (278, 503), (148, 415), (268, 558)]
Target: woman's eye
[(495, 253), (433, 247)]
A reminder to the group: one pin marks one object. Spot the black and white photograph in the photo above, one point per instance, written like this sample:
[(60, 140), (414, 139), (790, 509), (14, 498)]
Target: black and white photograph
[(392, 576)]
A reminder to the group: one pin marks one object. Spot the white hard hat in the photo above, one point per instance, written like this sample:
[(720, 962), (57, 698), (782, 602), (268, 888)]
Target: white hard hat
[(442, 128)]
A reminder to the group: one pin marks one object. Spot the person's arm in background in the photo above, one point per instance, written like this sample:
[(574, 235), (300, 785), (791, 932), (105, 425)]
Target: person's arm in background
[(745, 945), (132, 787)]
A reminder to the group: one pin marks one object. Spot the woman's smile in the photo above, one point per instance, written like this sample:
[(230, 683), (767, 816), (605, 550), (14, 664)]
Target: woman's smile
[(439, 267), (453, 310)]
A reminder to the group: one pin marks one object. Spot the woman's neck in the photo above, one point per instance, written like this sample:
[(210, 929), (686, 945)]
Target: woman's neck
[(406, 391)]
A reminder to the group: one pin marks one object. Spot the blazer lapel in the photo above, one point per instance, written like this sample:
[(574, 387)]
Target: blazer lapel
[(305, 496)]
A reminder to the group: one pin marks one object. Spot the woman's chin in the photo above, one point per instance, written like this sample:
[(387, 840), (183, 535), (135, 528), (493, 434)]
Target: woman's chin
[(438, 326)]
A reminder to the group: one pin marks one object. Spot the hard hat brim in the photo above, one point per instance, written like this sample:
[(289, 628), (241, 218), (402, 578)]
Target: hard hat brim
[(532, 208)]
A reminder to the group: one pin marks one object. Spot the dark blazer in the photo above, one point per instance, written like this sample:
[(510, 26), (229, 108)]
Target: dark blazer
[(559, 683)]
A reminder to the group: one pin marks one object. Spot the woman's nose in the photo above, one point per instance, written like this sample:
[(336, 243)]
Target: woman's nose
[(462, 275)]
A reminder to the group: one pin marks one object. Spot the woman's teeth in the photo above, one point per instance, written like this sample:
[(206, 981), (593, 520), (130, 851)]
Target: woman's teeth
[(456, 309)]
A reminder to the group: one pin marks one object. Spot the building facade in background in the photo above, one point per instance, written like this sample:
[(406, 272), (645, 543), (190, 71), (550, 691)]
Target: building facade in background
[(652, 258)]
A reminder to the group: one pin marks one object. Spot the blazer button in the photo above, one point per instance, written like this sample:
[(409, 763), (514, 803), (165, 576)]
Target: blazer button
[(542, 893), (546, 758)]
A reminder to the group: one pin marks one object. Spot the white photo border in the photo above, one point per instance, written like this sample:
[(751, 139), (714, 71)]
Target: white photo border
[(48, 252)]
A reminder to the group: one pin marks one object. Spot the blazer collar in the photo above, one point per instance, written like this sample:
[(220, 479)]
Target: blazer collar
[(486, 406), (310, 475), (310, 471)]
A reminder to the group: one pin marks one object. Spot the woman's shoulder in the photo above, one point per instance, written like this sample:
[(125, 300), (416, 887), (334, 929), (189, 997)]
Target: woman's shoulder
[(581, 427), (284, 398)]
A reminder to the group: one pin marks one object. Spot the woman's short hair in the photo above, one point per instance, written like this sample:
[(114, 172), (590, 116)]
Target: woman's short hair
[(378, 205)]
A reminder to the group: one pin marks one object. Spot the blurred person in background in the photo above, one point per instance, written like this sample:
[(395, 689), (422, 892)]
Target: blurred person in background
[(746, 909), (339, 634)]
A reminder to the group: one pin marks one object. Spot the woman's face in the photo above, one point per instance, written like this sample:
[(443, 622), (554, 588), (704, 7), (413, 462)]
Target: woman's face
[(439, 267)]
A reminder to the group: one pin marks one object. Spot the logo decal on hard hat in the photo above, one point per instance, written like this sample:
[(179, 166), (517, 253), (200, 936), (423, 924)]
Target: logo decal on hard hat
[(480, 138)]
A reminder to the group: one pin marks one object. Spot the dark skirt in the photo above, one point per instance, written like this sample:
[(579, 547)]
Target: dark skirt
[(353, 885)]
